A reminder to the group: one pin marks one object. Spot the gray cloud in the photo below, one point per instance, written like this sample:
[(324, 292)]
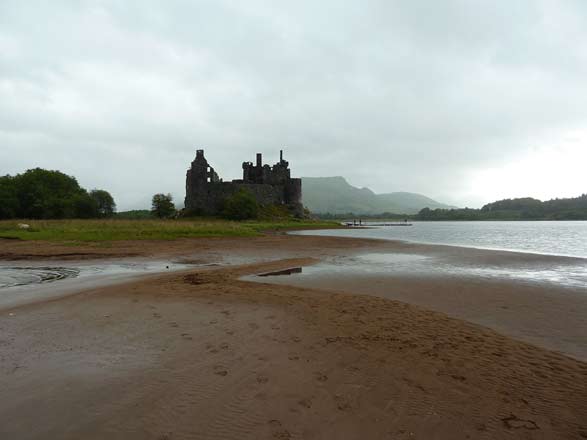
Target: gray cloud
[(415, 96)]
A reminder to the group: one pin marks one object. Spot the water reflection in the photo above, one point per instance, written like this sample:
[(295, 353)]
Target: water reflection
[(572, 274)]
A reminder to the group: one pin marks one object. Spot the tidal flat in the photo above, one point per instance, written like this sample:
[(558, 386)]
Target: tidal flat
[(206, 353)]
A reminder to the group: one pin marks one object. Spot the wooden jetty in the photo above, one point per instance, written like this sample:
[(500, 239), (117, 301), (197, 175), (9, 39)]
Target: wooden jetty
[(391, 224), (360, 224)]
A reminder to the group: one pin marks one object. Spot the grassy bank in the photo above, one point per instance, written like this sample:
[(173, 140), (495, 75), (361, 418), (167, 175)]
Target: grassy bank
[(112, 230)]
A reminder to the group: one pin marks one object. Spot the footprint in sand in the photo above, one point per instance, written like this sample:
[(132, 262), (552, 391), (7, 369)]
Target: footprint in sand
[(220, 371), (321, 377), (278, 431), (262, 379), (342, 403), (306, 403), (186, 336), (481, 427), (173, 324), (514, 422), (282, 434)]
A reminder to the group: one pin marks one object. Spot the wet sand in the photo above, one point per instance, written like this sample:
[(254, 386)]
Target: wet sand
[(69, 277), (550, 316), (204, 354)]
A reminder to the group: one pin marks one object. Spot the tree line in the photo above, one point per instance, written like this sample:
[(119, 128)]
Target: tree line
[(45, 194), (525, 208), (515, 209)]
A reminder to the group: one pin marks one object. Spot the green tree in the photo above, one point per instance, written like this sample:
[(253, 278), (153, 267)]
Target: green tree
[(45, 194), (105, 206), (8, 199), (241, 205), (162, 206), (83, 206)]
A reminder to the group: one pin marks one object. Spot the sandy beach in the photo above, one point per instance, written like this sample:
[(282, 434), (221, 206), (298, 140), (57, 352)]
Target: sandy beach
[(205, 354)]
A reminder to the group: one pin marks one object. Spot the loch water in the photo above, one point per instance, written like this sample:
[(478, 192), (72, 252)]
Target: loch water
[(563, 238)]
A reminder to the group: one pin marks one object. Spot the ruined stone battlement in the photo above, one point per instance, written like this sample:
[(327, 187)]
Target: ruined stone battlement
[(270, 185)]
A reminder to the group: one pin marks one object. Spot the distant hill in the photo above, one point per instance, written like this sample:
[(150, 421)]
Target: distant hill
[(525, 208), (335, 195)]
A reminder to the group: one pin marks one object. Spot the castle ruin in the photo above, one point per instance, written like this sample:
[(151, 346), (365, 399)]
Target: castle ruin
[(270, 185)]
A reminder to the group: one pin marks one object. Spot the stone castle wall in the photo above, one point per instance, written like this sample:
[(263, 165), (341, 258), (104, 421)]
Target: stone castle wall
[(206, 192)]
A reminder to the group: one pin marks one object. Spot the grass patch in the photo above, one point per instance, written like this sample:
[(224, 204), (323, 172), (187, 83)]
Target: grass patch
[(78, 231)]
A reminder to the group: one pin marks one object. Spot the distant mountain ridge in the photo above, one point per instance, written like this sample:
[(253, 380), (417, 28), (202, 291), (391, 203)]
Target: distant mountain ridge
[(335, 195)]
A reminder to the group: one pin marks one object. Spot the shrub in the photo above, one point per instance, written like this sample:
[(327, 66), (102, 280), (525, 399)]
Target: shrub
[(162, 206), (105, 206), (242, 205)]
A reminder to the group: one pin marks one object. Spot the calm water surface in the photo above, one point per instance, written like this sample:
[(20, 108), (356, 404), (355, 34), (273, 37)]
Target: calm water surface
[(552, 238), (566, 239)]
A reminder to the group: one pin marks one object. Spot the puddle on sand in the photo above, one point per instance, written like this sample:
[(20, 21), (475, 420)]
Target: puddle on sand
[(22, 284), (572, 274), (19, 277), (25, 275)]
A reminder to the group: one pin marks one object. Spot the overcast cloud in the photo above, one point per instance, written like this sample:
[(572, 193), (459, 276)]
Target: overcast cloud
[(464, 101)]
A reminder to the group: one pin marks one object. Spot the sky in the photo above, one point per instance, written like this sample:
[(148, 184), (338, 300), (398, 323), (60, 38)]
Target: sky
[(465, 101)]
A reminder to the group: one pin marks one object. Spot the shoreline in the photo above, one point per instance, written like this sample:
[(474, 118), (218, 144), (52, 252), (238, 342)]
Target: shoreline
[(202, 251), (203, 354), (513, 251), (90, 251), (432, 243), (515, 307)]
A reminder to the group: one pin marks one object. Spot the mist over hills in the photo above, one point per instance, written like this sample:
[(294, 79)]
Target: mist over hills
[(335, 195)]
